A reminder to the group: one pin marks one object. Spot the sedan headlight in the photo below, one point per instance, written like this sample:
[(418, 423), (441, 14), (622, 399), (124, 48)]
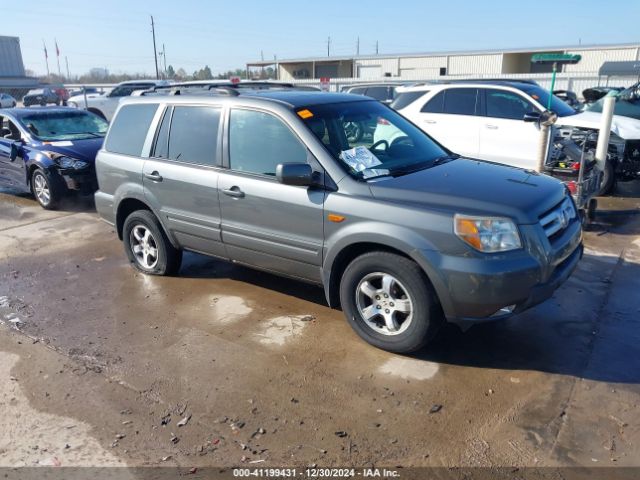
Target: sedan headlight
[(487, 234), (70, 163)]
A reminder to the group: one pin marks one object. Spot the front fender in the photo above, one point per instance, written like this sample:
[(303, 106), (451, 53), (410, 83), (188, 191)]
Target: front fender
[(396, 237)]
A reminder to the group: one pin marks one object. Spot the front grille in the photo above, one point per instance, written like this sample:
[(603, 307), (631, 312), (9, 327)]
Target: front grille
[(632, 149), (556, 220)]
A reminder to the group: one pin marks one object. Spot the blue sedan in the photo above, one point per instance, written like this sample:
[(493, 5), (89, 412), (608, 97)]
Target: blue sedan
[(50, 151)]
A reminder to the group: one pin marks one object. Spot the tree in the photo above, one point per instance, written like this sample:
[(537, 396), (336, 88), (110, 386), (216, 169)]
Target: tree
[(171, 72), (181, 74)]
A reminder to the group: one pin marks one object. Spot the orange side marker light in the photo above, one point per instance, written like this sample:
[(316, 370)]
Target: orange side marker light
[(332, 217)]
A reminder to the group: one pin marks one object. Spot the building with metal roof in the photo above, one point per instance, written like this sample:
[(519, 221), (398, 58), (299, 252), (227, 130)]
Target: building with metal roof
[(430, 65)]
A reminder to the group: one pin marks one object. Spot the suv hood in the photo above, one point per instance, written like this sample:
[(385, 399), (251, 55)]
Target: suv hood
[(625, 127), (85, 149), (475, 187)]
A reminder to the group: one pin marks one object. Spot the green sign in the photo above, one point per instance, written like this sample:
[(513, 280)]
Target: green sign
[(560, 58)]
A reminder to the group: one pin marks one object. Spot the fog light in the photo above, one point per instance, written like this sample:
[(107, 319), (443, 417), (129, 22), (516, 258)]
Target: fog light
[(504, 311)]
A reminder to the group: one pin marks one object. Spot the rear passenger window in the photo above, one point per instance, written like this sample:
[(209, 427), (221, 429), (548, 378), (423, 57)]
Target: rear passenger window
[(258, 142), (435, 105), (405, 98), (379, 93), (193, 136), (129, 129), (460, 101)]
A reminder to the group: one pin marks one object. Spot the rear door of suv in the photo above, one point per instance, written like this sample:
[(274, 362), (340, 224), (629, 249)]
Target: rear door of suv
[(504, 136), (451, 117), (181, 175), (264, 223)]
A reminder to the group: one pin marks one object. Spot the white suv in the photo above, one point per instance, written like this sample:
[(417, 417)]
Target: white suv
[(105, 105), (496, 121)]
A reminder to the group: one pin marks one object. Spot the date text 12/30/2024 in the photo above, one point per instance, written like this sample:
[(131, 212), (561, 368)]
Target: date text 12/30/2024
[(316, 473)]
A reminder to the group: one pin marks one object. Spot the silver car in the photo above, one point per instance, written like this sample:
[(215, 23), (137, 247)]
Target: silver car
[(401, 233)]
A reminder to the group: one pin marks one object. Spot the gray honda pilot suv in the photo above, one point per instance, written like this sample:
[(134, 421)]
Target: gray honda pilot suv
[(402, 234)]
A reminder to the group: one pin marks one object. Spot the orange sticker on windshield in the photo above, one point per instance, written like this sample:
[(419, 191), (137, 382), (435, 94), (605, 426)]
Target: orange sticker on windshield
[(304, 114)]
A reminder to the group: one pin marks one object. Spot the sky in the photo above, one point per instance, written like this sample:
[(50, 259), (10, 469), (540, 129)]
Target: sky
[(116, 34)]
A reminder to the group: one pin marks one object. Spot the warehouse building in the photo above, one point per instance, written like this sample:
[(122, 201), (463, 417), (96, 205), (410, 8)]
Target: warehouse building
[(12, 73), (423, 66)]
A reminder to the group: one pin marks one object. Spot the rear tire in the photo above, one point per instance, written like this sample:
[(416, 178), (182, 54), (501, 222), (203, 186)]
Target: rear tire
[(389, 302), (147, 246)]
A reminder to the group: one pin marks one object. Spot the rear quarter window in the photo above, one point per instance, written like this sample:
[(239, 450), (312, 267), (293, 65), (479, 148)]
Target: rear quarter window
[(129, 129), (406, 98)]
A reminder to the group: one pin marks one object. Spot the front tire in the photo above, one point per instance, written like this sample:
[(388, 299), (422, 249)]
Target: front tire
[(608, 179), (147, 246), (45, 189), (390, 302)]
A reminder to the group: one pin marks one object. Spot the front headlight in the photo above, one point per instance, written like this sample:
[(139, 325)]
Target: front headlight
[(70, 163), (487, 234), (72, 104)]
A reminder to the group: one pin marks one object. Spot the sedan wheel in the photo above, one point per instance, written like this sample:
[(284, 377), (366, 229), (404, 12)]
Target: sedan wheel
[(41, 189)]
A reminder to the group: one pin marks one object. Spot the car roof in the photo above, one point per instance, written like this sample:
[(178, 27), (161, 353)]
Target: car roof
[(520, 85), (291, 98)]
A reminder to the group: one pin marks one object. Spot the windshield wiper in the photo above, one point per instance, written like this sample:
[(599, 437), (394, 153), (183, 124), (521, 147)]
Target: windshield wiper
[(416, 167), (446, 158), (94, 134)]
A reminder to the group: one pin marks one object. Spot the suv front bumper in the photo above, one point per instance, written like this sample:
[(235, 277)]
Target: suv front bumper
[(483, 288)]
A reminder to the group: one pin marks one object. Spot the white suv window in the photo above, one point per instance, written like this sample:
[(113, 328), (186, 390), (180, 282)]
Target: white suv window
[(505, 104)]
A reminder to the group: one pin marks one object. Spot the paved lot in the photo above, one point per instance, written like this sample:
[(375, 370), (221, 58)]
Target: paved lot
[(100, 364)]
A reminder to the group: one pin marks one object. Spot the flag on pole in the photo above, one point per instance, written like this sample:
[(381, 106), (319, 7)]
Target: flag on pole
[(57, 49)]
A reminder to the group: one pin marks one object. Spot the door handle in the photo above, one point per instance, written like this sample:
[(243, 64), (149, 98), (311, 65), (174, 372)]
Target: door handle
[(491, 127), (155, 176), (234, 192), (429, 121)]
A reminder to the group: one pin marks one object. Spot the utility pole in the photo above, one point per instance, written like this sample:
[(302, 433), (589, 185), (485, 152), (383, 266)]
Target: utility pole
[(164, 59), (377, 45), (358, 46), (66, 61), (155, 52), (328, 46)]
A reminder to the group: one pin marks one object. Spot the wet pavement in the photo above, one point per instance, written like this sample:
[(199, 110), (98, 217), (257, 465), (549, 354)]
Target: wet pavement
[(222, 365)]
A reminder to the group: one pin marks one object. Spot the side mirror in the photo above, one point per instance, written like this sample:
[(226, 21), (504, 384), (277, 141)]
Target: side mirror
[(300, 174), (532, 117), (546, 118), (15, 150)]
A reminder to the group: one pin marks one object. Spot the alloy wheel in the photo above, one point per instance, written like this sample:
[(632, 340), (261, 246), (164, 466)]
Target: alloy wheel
[(144, 247), (384, 303)]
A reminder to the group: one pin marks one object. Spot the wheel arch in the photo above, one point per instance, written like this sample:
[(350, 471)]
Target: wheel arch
[(337, 260), (129, 205)]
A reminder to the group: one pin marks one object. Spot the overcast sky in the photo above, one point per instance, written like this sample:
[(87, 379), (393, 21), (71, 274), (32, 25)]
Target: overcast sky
[(116, 34)]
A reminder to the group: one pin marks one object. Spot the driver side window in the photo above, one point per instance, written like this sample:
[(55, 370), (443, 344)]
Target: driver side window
[(8, 130), (507, 105)]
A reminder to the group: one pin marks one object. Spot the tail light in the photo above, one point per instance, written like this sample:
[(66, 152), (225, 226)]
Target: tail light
[(382, 121), (576, 166), (572, 186)]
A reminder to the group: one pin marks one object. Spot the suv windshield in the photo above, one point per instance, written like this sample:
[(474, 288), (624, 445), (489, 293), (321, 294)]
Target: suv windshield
[(70, 125), (370, 139), (542, 97)]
